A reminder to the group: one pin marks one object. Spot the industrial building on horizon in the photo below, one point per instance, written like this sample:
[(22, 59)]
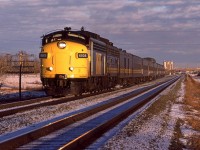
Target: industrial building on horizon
[(169, 66)]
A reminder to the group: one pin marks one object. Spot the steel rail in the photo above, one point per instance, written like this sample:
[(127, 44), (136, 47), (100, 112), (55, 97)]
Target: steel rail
[(23, 103), (15, 140), (21, 106), (90, 136)]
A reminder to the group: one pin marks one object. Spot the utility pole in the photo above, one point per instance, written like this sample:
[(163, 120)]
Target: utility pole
[(19, 64), (20, 74)]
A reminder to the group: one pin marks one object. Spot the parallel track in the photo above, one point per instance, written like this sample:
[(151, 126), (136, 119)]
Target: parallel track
[(15, 107), (23, 103), (95, 127)]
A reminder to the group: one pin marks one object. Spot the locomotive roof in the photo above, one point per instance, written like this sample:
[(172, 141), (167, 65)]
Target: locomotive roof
[(95, 36), (84, 33), (150, 59)]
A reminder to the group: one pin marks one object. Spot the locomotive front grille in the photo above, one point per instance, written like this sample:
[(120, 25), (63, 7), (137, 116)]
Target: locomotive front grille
[(61, 76)]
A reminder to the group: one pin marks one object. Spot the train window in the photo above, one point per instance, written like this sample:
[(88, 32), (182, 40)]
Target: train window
[(77, 36), (63, 35), (52, 38), (57, 36)]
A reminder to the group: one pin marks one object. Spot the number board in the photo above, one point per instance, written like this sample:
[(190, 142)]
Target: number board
[(43, 55), (82, 55)]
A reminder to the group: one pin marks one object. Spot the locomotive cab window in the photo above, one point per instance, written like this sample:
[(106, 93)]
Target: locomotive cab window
[(52, 38), (64, 35)]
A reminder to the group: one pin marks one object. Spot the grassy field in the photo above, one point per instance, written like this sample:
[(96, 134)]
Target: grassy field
[(192, 109)]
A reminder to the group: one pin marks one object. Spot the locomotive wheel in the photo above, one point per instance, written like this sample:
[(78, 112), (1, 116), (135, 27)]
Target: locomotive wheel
[(76, 88), (50, 92), (61, 92), (57, 92)]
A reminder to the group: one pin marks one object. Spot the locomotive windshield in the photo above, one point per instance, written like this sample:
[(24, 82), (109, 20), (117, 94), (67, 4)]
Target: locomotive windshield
[(63, 35)]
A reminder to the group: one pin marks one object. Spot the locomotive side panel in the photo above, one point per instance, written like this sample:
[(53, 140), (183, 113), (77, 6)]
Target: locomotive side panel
[(151, 69), (122, 64), (112, 65), (129, 66), (98, 58), (156, 68), (145, 66), (125, 64), (126, 72), (161, 70), (137, 67), (112, 61)]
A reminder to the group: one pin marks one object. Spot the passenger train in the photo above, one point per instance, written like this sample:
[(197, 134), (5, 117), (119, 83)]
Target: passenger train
[(81, 61)]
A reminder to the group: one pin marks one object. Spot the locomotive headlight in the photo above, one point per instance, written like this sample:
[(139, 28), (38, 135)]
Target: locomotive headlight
[(50, 68), (61, 44), (71, 68)]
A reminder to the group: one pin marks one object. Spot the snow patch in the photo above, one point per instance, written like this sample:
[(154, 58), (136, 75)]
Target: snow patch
[(11, 81), (9, 86)]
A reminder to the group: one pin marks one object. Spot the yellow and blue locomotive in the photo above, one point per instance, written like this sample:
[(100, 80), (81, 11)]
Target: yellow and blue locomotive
[(64, 62), (81, 61)]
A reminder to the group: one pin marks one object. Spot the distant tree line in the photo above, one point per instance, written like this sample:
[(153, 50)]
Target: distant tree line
[(11, 63)]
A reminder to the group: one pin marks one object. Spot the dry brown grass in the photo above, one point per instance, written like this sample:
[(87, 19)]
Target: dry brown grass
[(192, 95), (192, 101)]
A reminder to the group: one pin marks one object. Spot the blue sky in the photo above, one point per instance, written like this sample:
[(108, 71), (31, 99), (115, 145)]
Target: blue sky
[(162, 29)]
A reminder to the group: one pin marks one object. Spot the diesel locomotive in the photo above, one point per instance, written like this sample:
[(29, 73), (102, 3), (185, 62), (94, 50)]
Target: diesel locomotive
[(81, 61)]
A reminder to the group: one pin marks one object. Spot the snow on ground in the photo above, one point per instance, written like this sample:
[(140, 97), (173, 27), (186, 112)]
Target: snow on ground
[(20, 120), (29, 81), (186, 130), (150, 135), (9, 88), (176, 109), (154, 132), (195, 77)]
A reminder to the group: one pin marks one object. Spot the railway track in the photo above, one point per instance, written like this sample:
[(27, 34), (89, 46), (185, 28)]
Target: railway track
[(15, 107), (12, 95), (23, 103), (77, 132), (21, 106)]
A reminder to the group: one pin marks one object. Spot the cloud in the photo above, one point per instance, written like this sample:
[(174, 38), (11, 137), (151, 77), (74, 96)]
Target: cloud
[(155, 27)]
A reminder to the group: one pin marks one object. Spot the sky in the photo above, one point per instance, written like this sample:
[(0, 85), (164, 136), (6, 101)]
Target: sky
[(167, 30)]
